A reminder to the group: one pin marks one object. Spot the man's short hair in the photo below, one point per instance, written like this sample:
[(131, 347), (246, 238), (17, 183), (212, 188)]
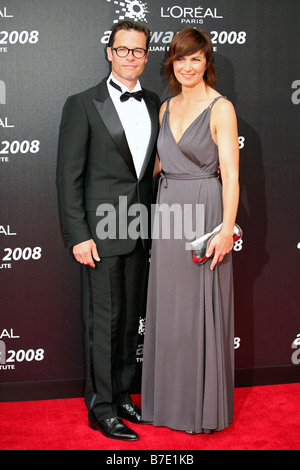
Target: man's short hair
[(129, 26)]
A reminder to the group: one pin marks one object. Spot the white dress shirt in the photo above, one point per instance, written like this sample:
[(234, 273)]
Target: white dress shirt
[(135, 120)]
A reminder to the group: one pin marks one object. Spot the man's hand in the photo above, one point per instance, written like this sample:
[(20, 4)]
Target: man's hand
[(86, 252)]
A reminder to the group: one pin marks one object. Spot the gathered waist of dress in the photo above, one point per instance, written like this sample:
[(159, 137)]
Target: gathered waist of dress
[(177, 176)]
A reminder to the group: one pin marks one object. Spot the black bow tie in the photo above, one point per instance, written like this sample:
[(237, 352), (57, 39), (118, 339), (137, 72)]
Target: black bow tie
[(138, 95)]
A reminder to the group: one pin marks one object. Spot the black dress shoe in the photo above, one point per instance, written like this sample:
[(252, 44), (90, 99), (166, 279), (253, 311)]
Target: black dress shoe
[(132, 413), (114, 428)]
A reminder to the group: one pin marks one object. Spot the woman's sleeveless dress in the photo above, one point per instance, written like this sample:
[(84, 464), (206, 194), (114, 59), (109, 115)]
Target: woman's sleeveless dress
[(188, 365)]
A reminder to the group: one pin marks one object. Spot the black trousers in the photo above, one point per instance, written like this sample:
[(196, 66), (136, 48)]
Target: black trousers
[(114, 298)]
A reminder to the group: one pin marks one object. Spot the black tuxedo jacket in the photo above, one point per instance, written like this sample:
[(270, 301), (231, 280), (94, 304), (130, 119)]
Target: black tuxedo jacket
[(95, 167)]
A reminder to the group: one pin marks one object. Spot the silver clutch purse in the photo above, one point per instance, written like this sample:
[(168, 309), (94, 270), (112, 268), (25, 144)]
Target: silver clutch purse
[(200, 246)]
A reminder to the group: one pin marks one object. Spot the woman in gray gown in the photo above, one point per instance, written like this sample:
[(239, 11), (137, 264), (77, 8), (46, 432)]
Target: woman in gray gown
[(188, 369)]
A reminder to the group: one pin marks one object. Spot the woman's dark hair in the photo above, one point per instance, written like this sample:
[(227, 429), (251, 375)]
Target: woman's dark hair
[(187, 42), (128, 26)]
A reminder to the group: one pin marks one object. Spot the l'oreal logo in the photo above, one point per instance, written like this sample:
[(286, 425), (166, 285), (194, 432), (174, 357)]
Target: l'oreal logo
[(179, 12)]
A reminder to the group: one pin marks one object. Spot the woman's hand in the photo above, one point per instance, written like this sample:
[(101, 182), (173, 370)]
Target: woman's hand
[(220, 246)]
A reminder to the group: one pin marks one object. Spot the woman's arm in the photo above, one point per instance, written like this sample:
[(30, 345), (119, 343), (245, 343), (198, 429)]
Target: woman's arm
[(158, 165), (225, 133)]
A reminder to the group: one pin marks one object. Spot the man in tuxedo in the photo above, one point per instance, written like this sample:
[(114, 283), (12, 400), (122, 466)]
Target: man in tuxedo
[(107, 148)]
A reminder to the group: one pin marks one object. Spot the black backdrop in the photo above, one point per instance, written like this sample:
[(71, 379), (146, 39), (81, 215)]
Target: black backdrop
[(50, 49)]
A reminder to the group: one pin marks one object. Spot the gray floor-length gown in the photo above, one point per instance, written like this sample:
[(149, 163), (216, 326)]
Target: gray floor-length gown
[(188, 369)]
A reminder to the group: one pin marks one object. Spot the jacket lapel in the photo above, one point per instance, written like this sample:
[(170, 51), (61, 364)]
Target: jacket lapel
[(109, 116), (153, 113)]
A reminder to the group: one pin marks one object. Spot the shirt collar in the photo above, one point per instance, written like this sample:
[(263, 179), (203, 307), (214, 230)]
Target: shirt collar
[(123, 87)]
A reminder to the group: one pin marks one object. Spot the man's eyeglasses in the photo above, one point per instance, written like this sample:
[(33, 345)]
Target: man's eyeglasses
[(138, 53)]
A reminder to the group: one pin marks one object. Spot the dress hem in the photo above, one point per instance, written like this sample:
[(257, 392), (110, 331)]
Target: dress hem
[(178, 427)]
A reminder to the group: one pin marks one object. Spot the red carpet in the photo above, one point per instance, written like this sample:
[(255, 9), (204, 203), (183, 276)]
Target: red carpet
[(266, 418)]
